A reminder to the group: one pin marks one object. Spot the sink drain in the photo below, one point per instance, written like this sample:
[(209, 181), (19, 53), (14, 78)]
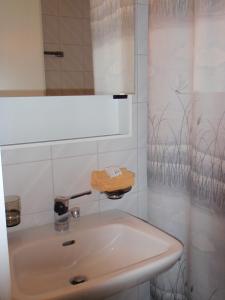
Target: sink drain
[(68, 243), (78, 279)]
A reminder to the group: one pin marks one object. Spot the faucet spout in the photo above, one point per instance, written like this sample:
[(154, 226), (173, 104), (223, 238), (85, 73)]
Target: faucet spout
[(62, 212)]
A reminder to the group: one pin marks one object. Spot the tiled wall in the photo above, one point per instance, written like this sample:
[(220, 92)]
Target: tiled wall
[(66, 27), (38, 174)]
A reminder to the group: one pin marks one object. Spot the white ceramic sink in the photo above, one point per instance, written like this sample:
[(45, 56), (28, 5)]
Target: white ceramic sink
[(112, 250)]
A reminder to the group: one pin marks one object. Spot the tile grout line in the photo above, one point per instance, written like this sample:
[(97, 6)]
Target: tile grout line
[(98, 166), (52, 171)]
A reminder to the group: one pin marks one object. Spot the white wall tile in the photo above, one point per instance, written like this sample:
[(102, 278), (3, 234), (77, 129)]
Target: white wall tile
[(129, 203), (25, 154), (142, 124), (122, 143), (87, 207), (143, 205), (73, 175), (141, 28), (36, 219), (142, 168), (33, 183), (73, 149), (142, 86), (134, 98)]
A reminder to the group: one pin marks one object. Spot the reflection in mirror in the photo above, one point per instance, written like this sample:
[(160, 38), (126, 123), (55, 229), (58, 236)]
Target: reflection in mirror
[(66, 47)]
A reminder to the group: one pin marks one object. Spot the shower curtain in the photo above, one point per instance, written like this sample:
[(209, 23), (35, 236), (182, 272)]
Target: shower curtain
[(186, 150)]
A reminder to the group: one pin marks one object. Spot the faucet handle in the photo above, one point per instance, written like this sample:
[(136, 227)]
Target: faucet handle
[(75, 212), (65, 200), (62, 203), (80, 195), (60, 207)]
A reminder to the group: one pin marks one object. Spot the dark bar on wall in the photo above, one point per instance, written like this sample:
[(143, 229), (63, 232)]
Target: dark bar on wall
[(122, 96), (55, 53)]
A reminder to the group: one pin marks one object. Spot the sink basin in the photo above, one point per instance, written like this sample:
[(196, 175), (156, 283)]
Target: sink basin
[(99, 256)]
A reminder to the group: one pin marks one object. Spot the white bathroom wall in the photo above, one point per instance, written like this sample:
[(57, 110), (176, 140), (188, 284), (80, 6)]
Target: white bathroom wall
[(4, 257), (40, 173)]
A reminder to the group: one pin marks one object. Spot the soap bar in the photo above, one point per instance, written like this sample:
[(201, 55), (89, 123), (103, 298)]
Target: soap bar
[(113, 171), (102, 182)]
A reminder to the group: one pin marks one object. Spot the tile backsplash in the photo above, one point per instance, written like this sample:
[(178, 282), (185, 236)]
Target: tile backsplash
[(39, 174)]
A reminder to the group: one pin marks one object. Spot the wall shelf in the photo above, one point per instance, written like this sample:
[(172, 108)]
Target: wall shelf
[(51, 119)]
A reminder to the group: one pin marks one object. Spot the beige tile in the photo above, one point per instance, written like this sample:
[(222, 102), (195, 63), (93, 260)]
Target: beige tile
[(50, 7), (86, 32), (51, 29), (53, 79), (88, 61), (73, 58), (86, 8), (52, 63), (88, 80), (72, 80), (71, 31), (71, 8)]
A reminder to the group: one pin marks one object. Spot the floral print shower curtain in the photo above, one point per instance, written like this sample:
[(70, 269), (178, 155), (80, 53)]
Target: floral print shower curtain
[(186, 151)]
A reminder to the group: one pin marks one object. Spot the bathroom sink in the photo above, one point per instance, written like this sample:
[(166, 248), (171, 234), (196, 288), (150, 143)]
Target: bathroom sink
[(100, 255)]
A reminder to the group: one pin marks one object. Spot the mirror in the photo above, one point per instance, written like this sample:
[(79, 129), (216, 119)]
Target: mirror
[(66, 47)]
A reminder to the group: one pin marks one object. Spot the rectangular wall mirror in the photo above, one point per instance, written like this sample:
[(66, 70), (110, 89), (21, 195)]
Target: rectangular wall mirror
[(66, 47)]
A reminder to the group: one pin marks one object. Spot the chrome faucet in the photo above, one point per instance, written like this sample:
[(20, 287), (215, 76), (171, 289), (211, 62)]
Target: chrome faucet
[(63, 213)]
